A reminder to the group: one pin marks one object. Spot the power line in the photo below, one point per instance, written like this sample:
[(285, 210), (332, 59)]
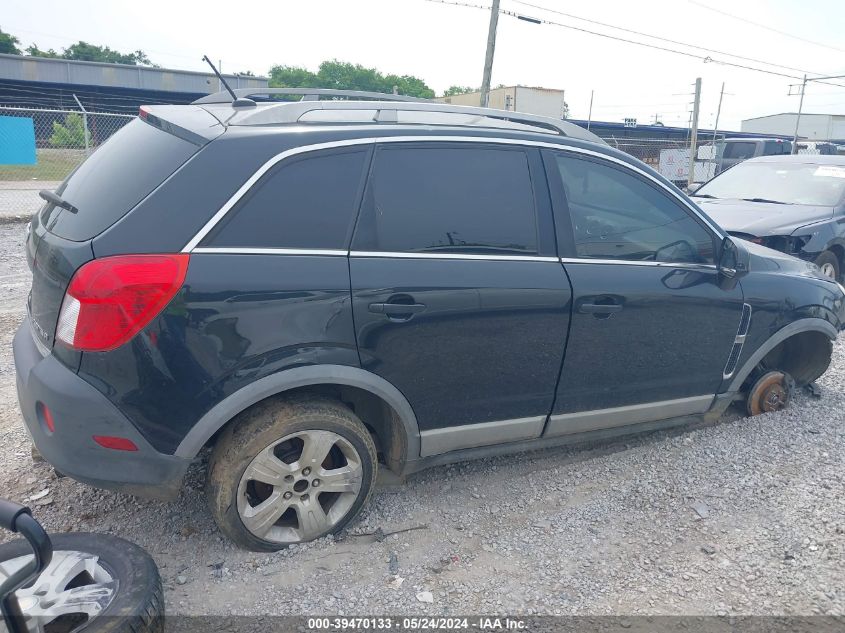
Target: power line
[(663, 39), (703, 58), (767, 28)]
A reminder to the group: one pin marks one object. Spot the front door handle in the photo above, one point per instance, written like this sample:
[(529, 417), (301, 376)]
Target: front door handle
[(599, 308)]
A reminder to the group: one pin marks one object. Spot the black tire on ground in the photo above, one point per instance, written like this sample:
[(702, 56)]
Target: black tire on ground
[(264, 424), (138, 606), (828, 258)]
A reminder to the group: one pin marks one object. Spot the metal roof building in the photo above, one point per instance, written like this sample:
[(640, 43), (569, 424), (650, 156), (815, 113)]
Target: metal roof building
[(39, 82)]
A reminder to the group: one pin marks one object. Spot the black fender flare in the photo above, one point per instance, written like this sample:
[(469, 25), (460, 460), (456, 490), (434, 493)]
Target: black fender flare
[(221, 413), (796, 327)]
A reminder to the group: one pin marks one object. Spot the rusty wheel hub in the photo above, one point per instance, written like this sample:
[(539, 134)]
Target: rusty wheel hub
[(771, 392)]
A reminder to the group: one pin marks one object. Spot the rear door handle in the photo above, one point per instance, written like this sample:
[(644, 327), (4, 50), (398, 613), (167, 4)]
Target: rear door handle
[(396, 309), (599, 308)]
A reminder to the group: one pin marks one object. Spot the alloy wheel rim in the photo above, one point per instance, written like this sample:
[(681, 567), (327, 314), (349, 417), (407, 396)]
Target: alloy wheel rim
[(73, 589), (299, 487)]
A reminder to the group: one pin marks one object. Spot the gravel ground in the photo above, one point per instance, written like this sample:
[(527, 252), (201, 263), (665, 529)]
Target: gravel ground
[(742, 517)]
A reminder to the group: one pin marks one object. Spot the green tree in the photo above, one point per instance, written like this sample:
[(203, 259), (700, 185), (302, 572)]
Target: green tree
[(34, 51), (451, 91), (69, 134), (346, 76), (9, 44), (83, 51)]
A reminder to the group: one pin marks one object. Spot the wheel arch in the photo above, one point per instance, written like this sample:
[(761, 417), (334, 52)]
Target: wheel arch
[(802, 326), (402, 449)]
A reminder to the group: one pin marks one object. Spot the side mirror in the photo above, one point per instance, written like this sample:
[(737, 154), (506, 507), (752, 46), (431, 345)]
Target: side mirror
[(694, 187), (728, 258)]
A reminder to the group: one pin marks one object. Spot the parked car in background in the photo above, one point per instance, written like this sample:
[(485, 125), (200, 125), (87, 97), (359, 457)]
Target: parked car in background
[(794, 204), (320, 290), (733, 151)]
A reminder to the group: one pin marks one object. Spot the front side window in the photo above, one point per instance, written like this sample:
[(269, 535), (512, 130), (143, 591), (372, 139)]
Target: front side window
[(616, 215), (305, 203), (472, 200)]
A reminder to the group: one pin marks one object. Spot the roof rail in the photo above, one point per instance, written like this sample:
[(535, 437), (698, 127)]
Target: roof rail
[(308, 94)]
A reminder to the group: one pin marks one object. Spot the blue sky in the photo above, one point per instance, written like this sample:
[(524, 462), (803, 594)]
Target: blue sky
[(444, 45)]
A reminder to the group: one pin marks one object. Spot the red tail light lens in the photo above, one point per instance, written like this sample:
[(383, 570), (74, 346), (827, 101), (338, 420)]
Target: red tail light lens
[(110, 300)]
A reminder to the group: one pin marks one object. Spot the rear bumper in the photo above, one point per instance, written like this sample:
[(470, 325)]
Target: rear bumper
[(81, 412)]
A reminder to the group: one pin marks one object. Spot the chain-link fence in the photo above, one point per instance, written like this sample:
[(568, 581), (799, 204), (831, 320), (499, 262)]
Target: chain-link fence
[(42, 147)]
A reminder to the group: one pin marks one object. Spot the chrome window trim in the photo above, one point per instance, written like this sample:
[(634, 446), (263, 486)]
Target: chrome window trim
[(634, 262), (243, 189), (226, 250), (403, 255)]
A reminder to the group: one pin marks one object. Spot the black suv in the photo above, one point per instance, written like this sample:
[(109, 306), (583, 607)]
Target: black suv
[(318, 289)]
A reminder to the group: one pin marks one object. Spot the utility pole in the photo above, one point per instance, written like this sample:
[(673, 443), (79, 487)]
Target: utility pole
[(801, 104), (798, 118), (693, 142), (488, 58), (716, 126), (590, 115)]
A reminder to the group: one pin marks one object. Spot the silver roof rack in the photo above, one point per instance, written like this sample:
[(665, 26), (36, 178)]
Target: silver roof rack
[(307, 94), (382, 108)]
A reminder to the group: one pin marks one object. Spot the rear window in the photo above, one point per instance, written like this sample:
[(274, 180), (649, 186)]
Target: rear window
[(116, 177), (741, 150)]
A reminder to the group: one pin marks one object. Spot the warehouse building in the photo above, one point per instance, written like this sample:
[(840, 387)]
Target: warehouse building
[(38, 82), (813, 127)]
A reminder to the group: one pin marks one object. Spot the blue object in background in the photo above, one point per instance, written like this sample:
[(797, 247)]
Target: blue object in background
[(17, 141)]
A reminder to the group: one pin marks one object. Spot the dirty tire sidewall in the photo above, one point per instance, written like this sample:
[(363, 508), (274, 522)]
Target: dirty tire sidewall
[(828, 257), (263, 424), (138, 605)]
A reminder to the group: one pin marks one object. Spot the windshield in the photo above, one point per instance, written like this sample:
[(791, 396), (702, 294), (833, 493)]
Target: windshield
[(790, 183)]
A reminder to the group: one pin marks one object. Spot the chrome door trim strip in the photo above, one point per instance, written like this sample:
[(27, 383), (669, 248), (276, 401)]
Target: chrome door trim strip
[(453, 438), (212, 222), (569, 423), (515, 258), (635, 262), (270, 251)]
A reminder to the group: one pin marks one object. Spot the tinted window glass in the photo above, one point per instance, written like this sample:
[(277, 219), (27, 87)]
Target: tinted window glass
[(304, 203), (739, 150), (615, 215), (133, 162), (451, 200)]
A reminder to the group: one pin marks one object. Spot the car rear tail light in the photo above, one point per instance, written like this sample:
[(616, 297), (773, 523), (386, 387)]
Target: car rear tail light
[(115, 443), (110, 300)]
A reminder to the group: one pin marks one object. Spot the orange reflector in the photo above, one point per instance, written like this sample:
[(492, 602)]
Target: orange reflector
[(115, 443)]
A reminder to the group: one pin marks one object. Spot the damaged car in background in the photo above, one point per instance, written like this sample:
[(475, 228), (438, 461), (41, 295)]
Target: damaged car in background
[(793, 204)]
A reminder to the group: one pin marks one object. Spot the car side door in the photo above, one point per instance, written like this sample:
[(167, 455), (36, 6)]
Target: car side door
[(459, 299), (653, 323)]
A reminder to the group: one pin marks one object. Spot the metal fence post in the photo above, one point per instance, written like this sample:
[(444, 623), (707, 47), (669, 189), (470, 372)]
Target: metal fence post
[(86, 133)]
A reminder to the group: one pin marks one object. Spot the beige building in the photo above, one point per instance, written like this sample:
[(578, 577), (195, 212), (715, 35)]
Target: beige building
[(541, 101)]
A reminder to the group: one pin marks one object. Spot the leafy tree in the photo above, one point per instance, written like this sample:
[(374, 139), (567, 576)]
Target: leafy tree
[(246, 73), (346, 76), (83, 51), (9, 44), (34, 51), (69, 134), (451, 91)]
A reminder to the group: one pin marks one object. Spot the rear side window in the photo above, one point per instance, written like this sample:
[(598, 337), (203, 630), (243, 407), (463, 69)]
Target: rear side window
[(306, 203), (116, 177), (739, 150), (473, 200)]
